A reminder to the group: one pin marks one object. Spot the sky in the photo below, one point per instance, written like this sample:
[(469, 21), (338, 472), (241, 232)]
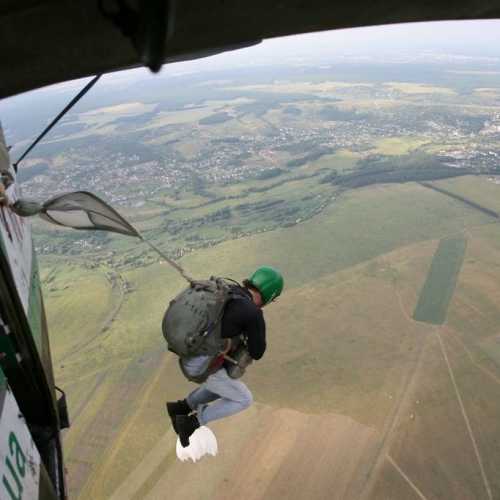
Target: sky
[(391, 43), (432, 42), (467, 38)]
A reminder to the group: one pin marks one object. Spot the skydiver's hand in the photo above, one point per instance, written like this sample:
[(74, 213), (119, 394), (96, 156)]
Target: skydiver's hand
[(4, 200)]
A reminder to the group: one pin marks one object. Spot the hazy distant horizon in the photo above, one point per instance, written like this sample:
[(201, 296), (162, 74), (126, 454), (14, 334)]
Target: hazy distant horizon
[(477, 39), (453, 42)]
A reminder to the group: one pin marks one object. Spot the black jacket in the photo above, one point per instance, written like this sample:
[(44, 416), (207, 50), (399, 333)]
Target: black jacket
[(242, 316)]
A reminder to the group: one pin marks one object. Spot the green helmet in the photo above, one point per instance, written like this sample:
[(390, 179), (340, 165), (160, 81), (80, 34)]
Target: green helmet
[(268, 281)]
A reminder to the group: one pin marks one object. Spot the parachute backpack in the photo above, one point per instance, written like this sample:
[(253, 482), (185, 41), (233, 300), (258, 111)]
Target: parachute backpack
[(192, 325)]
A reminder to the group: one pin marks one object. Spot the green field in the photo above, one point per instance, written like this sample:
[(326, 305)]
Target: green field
[(337, 343), (440, 284), (480, 190), (382, 360), (398, 145)]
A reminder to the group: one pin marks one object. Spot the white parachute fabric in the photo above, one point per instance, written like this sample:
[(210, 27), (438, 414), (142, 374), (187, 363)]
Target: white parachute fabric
[(201, 443), (77, 219), (83, 210)]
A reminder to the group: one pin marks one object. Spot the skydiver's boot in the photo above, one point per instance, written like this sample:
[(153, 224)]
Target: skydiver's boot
[(177, 408), (186, 425)]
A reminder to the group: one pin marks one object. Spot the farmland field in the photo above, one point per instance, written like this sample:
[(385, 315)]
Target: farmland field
[(438, 289), (383, 360), (370, 293)]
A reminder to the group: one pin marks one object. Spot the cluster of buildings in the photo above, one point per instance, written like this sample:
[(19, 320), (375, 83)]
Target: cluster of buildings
[(132, 179)]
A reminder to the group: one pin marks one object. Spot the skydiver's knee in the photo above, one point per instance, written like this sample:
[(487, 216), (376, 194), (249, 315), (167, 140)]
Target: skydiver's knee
[(246, 399)]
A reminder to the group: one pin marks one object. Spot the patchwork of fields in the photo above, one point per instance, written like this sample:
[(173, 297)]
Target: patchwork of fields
[(383, 363), (353, 392)]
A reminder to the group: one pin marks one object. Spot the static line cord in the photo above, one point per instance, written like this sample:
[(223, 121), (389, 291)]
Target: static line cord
[(58, 117), (169, 260)]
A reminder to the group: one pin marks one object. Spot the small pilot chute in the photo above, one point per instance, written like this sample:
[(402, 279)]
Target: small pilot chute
[(84, 210), (78, 210)]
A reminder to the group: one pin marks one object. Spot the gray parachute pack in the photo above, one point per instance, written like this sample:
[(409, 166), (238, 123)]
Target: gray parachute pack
[(192, 325)]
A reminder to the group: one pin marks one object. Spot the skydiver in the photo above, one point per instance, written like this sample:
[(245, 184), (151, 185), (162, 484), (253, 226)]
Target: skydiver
[(221, 395)]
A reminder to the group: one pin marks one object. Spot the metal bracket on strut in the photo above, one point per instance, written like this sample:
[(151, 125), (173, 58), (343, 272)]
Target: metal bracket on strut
[(149, 26)]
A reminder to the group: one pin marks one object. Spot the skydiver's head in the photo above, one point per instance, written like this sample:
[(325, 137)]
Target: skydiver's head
[(265, 285)]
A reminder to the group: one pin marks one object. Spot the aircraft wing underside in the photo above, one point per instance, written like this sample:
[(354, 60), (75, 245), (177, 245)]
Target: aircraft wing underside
[(45, 42)]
